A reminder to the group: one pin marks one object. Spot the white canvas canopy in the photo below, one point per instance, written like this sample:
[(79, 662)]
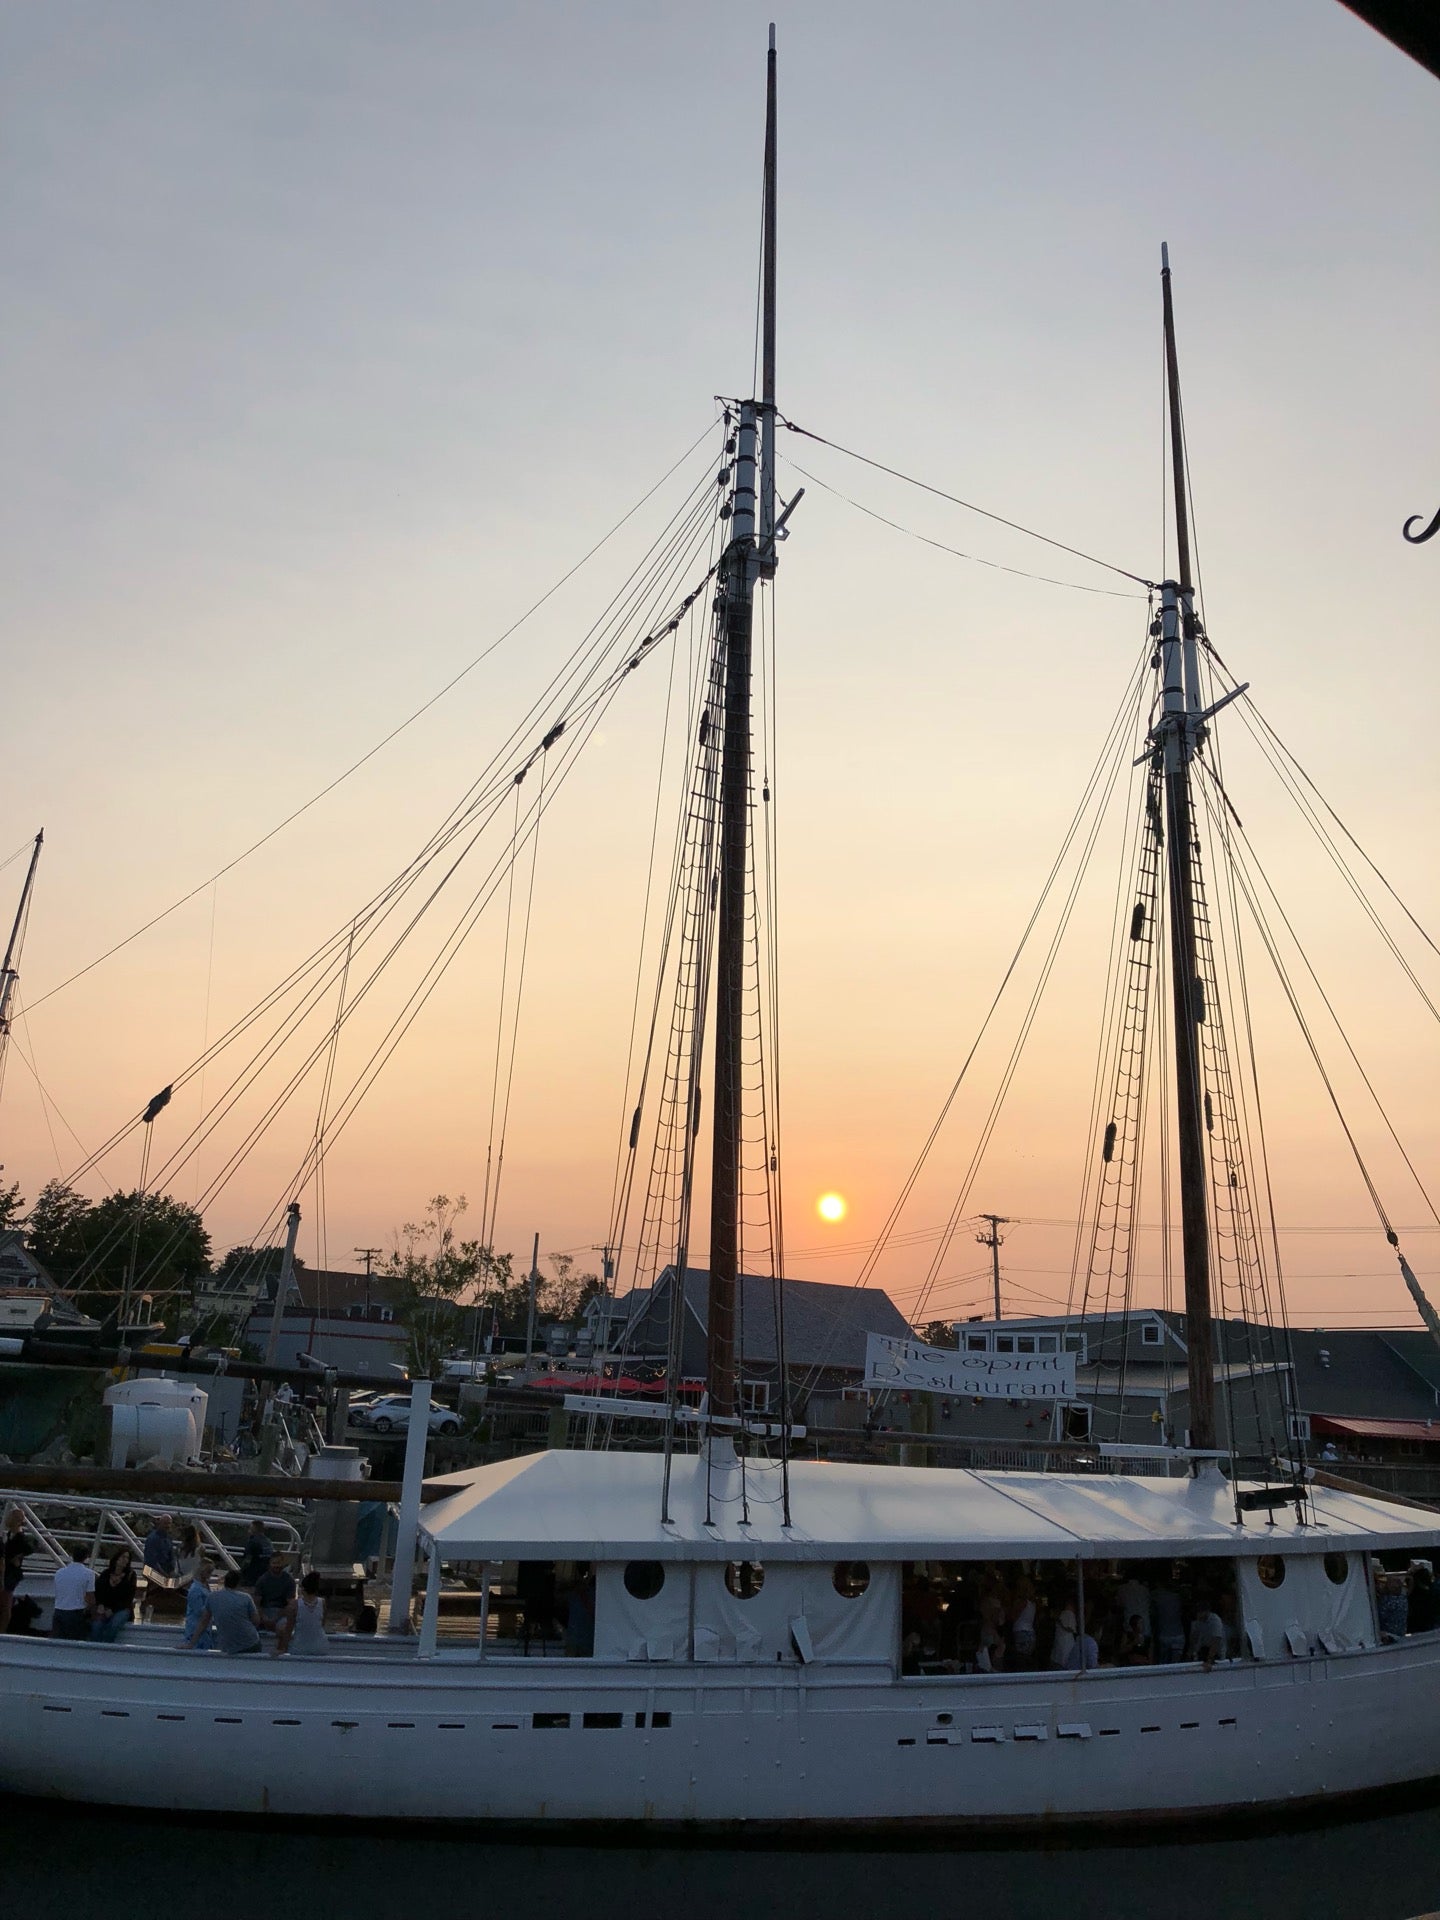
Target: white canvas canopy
[(606, 1507)]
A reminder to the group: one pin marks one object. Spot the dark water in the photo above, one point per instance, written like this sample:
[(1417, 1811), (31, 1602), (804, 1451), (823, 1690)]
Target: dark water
[(64, 1861)]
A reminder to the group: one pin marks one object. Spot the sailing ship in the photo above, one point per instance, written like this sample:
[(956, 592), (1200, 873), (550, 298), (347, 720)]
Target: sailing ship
[(757, 1643)]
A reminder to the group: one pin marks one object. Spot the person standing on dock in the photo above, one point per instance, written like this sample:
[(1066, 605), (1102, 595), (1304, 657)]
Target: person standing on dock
[(256, 1557), (74, 1597), (15, 1547), (160, 1547)]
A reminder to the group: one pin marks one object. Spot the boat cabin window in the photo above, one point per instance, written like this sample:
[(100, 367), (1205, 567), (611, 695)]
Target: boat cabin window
[(1271, 1569), (1052, 1615), (644, 1579), (1337, 1568), (744, 1578), (851, 1579)]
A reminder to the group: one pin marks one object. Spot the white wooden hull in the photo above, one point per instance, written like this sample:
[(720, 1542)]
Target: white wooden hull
[(385, 1736)]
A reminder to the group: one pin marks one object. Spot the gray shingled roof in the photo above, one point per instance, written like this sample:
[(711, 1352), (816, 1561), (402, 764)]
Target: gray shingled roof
[(825, 1324)]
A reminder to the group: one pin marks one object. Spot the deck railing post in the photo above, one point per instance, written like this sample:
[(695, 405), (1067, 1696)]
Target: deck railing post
[(430, 1619), (402, 1579)]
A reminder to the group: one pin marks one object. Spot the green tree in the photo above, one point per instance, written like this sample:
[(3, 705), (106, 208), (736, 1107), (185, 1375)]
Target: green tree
[(12, 1206), (57, 1229), (88, 1248), (434, 1275), (939, 1333), (246, 1265), (569, 1293)]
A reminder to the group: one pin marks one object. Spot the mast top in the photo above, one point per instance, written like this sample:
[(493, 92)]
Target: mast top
[(1177, 428), (772, 36)]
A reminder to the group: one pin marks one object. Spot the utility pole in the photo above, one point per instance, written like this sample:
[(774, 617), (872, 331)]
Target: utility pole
[(367, 1254), (994, 1241)]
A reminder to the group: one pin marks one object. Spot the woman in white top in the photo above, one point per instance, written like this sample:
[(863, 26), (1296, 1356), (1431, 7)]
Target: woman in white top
[(303, 1628)]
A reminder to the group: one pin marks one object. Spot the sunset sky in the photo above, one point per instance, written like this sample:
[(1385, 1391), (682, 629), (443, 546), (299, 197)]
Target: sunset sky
[(337, 334)]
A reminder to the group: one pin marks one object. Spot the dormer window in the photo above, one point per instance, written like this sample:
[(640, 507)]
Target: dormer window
[(1152, 1334)]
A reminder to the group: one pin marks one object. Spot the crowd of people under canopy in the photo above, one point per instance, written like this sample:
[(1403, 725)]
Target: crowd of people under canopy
[(1029, 1617)]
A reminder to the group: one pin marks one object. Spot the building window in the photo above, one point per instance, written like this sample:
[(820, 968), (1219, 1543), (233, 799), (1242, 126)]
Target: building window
[(1046, 1343), (851, 1578), (977, 1343), (1025, 1343), (744, 1578), (1337, 1568), (755, 1396), (1075, 1343), (644, 1579), (1004, 1343), (1271, 1569), (1074, 1422), (1152, 1334)]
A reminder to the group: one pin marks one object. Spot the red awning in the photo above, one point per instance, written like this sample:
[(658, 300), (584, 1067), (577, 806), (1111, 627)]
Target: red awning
[(593, 1383), (1423, 1430)]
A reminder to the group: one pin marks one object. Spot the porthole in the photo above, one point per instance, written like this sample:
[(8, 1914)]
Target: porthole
[(744, 1578), (1337, 1568), (1271, 1569), (644, 1579), (851, 1578)]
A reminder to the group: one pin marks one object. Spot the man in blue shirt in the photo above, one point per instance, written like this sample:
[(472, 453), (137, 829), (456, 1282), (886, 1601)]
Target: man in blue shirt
[(160, 1547)]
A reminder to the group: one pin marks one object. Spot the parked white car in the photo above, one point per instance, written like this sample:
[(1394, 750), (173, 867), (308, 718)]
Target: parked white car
[(390, 1413)]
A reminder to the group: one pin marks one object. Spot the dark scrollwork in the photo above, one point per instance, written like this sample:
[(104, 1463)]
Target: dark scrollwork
[(1429, 532)]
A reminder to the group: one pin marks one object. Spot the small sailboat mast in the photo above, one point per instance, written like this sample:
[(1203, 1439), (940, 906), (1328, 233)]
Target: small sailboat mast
[(1180, 732), (749, 557), (10, 970)]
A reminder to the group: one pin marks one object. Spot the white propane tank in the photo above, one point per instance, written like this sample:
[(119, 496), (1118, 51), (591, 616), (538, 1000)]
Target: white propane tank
[(150, 1418)]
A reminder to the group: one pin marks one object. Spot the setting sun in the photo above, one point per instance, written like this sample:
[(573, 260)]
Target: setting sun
[(831, 1206)]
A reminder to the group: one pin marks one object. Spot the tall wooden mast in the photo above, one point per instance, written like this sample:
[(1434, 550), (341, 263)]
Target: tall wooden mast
[(750, 554), (1180, 731)]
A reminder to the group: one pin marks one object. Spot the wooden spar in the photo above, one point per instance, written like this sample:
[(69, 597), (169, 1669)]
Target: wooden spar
[(1177, 432), (767, 329), (745, 559), (1178, 730), (737, 612)]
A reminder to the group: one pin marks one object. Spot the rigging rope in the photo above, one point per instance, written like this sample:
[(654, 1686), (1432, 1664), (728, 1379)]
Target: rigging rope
[(381, 744), (940, 493), (996, 566)]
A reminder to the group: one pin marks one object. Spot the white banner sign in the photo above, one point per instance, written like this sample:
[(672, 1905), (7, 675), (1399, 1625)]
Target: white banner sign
[(909, 1367)]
